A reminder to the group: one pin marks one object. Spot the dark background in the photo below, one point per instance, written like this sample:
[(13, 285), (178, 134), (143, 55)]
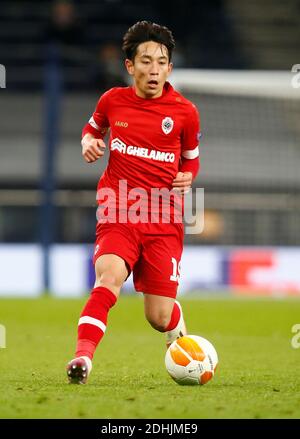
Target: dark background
[(59, 58)]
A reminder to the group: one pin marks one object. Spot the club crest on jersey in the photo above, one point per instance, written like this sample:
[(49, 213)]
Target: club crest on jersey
[(167, 125)]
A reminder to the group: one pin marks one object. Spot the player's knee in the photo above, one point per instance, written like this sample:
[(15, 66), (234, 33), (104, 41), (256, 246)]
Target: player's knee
[(159, 321), (109, 280)]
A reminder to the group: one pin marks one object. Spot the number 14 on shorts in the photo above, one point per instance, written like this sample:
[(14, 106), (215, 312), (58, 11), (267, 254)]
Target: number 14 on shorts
[(176, 270)]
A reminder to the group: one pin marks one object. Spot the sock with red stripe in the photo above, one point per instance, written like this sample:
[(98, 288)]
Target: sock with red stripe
[(93, 320), (175, 317)]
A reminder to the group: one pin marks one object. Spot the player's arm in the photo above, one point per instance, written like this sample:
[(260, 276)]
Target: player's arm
[(189, 163), (93, 132)]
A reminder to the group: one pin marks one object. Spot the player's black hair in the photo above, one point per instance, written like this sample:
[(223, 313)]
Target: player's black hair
[(146, 31)]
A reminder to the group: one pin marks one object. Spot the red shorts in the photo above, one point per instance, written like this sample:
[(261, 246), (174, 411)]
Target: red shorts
[(151, 251)]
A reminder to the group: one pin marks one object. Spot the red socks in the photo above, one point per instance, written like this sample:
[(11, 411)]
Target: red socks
[(93, 319), (92, 322), (175, 316)]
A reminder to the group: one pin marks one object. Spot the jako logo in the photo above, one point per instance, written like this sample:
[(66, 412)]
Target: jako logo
[(295, 342), (118, 123), (151, 154)]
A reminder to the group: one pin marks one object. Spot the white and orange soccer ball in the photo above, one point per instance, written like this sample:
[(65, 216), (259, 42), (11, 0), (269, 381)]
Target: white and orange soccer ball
[(191, 360)]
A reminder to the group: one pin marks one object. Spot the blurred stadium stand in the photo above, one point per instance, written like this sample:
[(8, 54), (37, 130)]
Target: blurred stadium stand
[(250, 147), (214, 34)]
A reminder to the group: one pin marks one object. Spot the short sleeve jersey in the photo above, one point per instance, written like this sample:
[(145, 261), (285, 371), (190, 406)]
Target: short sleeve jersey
[(148, 137)]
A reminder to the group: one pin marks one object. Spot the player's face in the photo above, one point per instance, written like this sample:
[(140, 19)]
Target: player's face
[(150, 69)]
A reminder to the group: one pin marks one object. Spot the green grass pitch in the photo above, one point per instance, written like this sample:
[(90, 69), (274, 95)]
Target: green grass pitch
[(258, 375)]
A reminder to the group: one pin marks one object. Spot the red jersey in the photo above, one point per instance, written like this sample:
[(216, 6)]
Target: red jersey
[(148, 137)]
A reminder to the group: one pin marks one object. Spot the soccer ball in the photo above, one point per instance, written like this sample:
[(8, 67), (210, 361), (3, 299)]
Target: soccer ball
[(191, 360)]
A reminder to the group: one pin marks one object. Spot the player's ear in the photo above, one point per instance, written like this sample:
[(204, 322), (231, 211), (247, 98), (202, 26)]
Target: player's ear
[(170, 67), (129, 66)]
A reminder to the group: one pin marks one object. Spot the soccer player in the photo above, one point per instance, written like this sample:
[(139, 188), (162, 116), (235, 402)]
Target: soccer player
[(154, 134)]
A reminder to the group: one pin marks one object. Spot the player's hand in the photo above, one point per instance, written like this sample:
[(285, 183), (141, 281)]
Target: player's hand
[(92, 149), (183, 182)]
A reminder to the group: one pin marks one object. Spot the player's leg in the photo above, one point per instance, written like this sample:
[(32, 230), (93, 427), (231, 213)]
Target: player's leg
[(111, 272), (165, 315), (115, 244), (158, 311), (157, 276)]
